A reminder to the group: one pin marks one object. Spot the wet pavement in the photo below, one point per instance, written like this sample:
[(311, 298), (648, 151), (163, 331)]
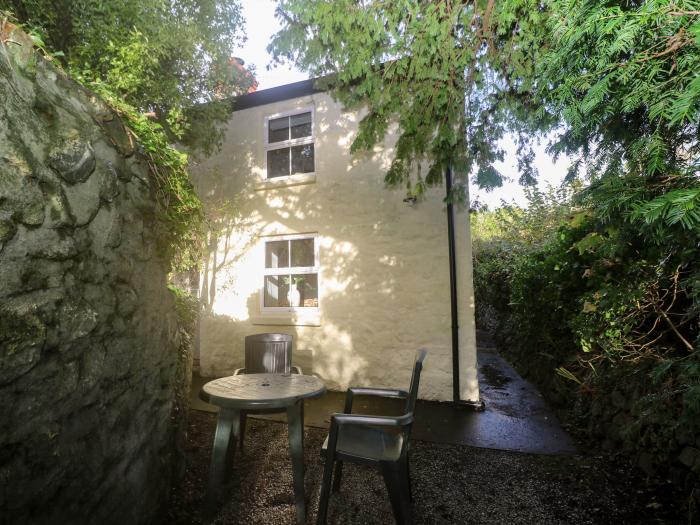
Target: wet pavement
[(516, 416)]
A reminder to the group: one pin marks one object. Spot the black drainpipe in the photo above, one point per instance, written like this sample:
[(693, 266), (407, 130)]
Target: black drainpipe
[(453, 286)]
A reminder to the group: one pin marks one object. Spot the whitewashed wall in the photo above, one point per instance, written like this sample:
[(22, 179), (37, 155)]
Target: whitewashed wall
[(384, 283)]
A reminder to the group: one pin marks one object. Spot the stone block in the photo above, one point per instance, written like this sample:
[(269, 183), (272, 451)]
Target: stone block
[(136, 167), (21, 53), (10, 278), (106, 231), (92, 366), (119, 359), (109, 183), (38, 274), (140, 197), (76, 319), (74, 161), (19, 188), (44, 243), (57, 208), (127, 300), (119, 135), (22, 337), (84, 200), (42, 391), (7, 230)]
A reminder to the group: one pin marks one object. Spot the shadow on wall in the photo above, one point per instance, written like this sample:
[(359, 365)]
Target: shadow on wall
[(362, 264)]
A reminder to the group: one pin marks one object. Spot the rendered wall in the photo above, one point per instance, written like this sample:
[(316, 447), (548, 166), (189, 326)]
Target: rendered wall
[(384, 263), (89, 369)]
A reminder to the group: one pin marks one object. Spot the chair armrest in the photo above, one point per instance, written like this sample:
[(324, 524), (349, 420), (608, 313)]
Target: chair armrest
[(297, 370), (380, 392), (375, 421), (377, 392), (239, 371)]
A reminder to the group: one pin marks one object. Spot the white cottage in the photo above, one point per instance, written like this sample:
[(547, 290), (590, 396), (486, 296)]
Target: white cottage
[(310, 242)]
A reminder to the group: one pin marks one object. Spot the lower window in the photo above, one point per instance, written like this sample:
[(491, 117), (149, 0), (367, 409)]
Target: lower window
[(291, 274)]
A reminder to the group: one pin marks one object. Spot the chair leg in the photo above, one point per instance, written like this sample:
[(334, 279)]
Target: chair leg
[(406, 477), (301, 415), (242, 431), (397, 496), (325, 491), (338, 475)]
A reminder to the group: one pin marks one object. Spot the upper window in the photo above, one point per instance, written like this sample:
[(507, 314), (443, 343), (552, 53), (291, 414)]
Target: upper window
[(289, 144), (291, 273)]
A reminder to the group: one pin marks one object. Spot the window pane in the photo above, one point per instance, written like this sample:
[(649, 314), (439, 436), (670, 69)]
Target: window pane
[(276, 289), (300, 125), (277, 254), (278, 129), (307, 285), (302, 252), (278, 163), (303, 158)]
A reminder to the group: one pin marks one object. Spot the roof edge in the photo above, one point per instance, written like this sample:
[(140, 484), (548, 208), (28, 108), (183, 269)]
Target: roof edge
[(285, 92)]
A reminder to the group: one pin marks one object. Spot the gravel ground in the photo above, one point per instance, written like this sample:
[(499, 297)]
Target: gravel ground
[(451, 484)]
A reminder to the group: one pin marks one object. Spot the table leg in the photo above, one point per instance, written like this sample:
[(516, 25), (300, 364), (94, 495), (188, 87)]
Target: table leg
[(223, 450), (295, 419)]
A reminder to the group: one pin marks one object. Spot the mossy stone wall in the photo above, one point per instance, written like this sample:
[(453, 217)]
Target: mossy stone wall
[(90, 363)]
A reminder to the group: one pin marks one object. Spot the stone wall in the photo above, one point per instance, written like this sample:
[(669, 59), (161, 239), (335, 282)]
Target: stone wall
[(88, 335)]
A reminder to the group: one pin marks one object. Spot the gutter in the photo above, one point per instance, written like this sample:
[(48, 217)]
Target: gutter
[(453, 286), (477, 406)]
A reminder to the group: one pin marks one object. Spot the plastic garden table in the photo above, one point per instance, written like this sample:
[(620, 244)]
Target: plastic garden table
[(258, 391)]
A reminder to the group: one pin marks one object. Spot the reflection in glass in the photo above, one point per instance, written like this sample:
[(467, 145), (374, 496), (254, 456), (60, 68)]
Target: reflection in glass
[(276, 289), (277, 254), (278, 129), (302, 252), (300, 125), (278, 163), (303, 158), (307, 284)]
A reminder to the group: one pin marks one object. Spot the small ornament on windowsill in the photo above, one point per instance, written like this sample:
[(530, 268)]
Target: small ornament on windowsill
[(294, 295)]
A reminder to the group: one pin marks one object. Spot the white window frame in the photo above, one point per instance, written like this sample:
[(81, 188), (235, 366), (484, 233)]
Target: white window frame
[(290, 142), (316, 268)]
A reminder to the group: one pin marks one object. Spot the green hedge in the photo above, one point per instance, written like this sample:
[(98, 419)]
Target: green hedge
[(603, 316)]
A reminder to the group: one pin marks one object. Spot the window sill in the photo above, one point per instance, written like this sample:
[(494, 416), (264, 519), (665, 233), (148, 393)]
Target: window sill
[(284, 182), (288, 320)]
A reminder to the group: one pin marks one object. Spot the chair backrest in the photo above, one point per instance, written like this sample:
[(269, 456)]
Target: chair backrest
[(415, 380), (268, 354)]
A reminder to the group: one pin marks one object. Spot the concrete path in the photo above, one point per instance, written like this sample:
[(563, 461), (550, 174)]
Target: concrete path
[(516, 416)]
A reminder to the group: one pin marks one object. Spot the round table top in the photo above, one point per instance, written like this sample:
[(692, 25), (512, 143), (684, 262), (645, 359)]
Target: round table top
[(261, 390)]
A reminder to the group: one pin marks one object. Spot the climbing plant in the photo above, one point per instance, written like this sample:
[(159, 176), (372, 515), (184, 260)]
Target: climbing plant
[(182, 210), (156, 63), (159, 56)]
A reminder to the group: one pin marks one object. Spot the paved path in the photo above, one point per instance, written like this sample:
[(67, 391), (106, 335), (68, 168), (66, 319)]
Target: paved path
[(516, 416)]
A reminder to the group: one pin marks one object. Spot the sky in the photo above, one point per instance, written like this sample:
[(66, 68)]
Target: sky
[(261, 24)]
